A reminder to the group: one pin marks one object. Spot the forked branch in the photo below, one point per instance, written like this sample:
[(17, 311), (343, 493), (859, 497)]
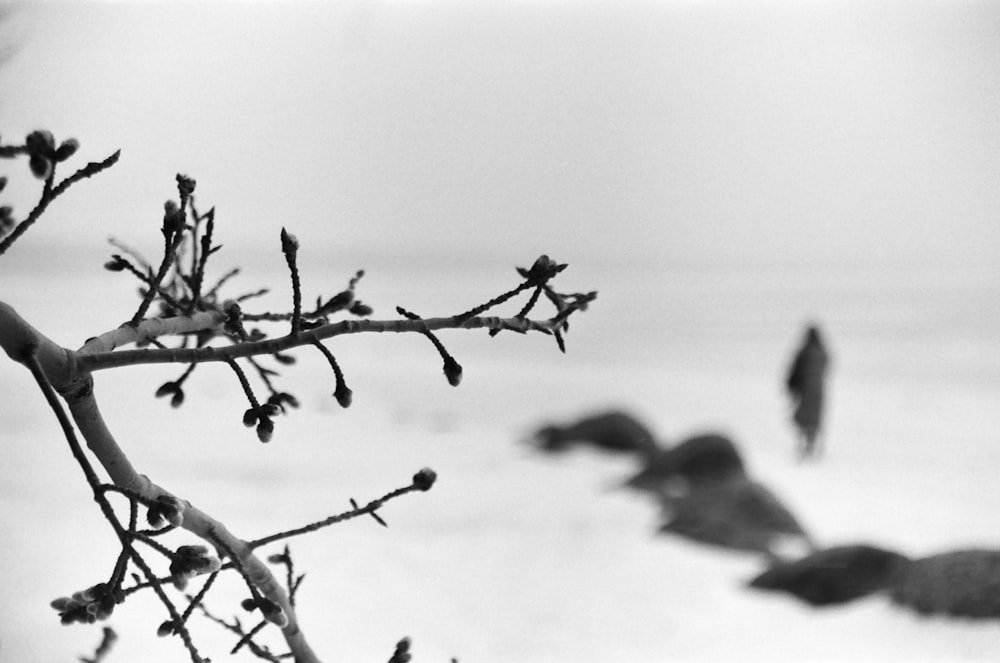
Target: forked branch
[(177, 306)]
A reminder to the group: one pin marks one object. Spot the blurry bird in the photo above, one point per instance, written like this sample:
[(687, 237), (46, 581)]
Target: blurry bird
[(962, 583), (805, 384), (613, 431), (739, 514), (699, 459), (834, 575)]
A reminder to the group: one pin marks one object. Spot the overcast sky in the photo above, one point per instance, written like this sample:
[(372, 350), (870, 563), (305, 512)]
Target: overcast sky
[(651, 131)]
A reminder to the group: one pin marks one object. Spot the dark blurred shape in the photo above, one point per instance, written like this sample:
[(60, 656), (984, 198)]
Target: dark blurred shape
[(699, 459), (805, 383), (834, 575), (613, 431), (964, 583), (739, 514)]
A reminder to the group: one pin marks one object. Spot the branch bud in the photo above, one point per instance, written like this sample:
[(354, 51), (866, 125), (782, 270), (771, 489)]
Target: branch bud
[(543, 269), (274, 613), (189, 561), (167, 508), (116, 264), (172, 389), (452, 371), (42, 143), (280, 558), (67, 149), (41, 167), (289, 243), (173, 219), (165, 629), (265, 429), (424, 479), (185, 185), (344, 395), (360, 310)]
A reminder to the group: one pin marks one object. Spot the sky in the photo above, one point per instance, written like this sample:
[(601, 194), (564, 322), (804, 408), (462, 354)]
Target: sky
[(636, 131)]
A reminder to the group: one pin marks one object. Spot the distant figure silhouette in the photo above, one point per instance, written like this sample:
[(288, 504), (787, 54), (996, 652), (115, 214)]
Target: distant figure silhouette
[(613, 431), (739, 514), (699, 459), (805, 385)]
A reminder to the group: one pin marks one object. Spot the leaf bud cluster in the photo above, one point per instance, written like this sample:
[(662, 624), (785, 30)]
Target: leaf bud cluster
[(233, 324), (543, 269), (424, 479), (270, 610), (167, 510), (43, 153), (86, 607), (190, 561), (174, 390), (261, 417), (185, 185)]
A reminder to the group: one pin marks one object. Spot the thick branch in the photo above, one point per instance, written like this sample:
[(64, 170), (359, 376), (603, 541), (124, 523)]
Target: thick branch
[(21, 341), (150, 329), (70, 373), (17, 338), (93, 429)]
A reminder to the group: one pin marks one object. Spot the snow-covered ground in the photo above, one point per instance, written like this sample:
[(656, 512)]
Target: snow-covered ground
[(514, 556)]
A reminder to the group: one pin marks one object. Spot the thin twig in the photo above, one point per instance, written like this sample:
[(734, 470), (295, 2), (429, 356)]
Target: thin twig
[(200, 596), (244, 383), (146, 279), (258, 650), (51, 194), (452, 369), (170, 246), (248, 637), (108, 639), (341, 391), (499, 299), (369, 508), (290, 247), (199, 261), (222, 281)]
